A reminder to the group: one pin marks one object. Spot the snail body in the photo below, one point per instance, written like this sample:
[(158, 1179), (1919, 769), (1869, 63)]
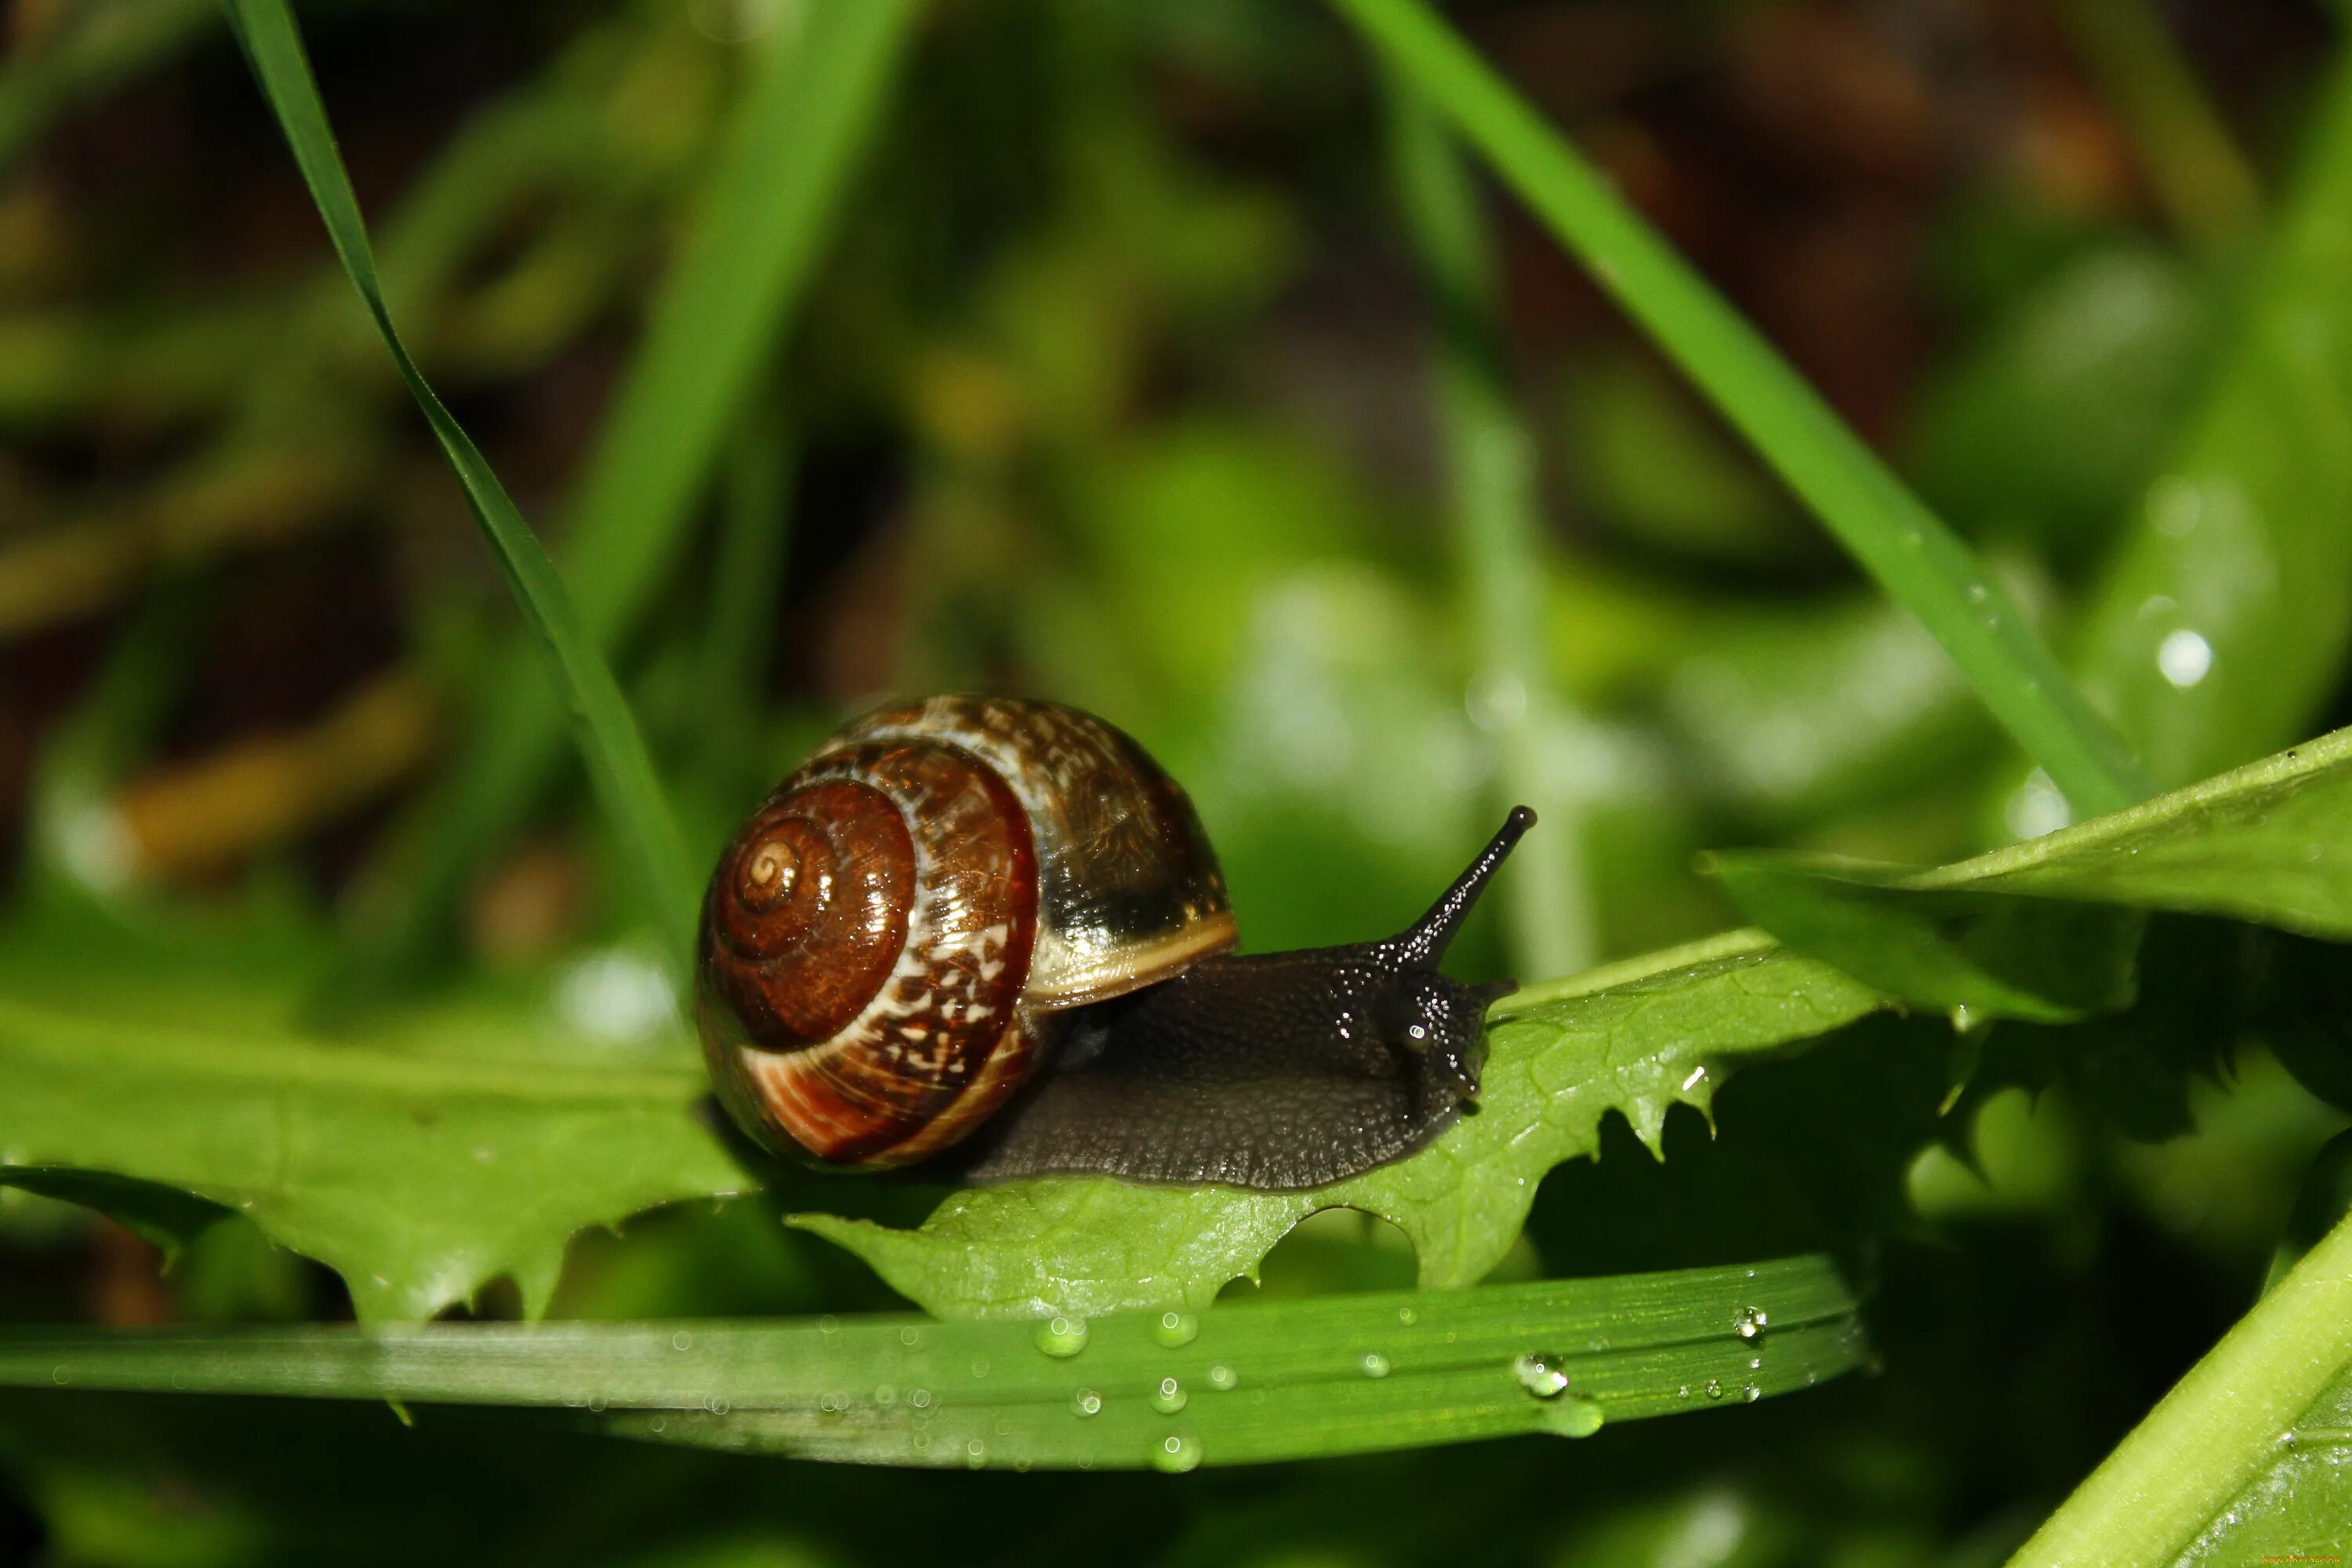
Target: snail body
[(996, 927)]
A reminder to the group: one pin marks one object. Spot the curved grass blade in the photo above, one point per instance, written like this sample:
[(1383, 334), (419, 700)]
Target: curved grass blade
[(2243, 1460), (1903, 545), (1242, 1384), (815, 92), (607, 734)]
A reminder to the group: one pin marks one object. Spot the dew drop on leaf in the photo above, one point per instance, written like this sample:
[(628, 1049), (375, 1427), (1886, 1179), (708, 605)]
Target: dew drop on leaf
[(1373, 1364), (1175, 1329), (1574, 1416), (1175, 1454), (1541, 1374), (1087, 1402), (1170, 1396), (1062, 1336), (1221, 1378)]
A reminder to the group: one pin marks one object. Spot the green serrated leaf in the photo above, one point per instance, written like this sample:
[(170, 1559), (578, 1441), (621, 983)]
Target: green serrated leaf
[(2047, 929), (1245, 1383), (419, 1177), (1635, 1039)]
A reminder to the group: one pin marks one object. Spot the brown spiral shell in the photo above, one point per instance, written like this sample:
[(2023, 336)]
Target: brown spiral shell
[(885, 938)]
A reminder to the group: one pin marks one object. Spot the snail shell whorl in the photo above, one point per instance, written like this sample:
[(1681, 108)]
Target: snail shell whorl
[(883, 938)]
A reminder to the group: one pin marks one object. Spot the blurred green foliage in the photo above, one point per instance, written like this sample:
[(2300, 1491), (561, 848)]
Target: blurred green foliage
[(1110, 376)]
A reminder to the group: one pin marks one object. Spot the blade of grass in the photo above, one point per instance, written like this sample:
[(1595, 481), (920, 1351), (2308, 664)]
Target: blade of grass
[(747, 569), (807, 111), (1491, 463), (2199, 178), (1919, 560), (602, 726), (1240, 1384)]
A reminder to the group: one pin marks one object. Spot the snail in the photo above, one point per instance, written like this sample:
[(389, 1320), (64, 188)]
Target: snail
[(994, 931)]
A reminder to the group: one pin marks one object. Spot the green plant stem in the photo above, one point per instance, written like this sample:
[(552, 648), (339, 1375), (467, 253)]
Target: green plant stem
[(1895, 538), (747, 569), (604, 727), (2220, 1425), (2199, 178), (1491, 460)]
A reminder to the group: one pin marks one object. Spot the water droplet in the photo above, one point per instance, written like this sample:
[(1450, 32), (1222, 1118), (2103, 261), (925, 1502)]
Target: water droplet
[(886, 1393), (60, 1376), (975, 1455), (596, 1405), (681, 1341), (920, 1398), (1221, 1379), (1168, 1397), (1978, 593), (718, 1406), (1087, 1402), (1175, 1454), (1574, 1416), (1372, 1363), (1541, 1374), (1695, 1077), (2037, 808), (1750, 1393), (1714, 1389), (911, 1337), (980, 1366), (1684, 1392), (1175, 1329), (2184, 658), (1062, 1336), (1496, 699), (828, 1324), (1756, 1363), (657, 1424), (1750, 1321), (1407, 1316)]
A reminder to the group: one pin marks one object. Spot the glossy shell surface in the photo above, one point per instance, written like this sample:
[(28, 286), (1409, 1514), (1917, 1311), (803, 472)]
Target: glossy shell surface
[(884, 937)]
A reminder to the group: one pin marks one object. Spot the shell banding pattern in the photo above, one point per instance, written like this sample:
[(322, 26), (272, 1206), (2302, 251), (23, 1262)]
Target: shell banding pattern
[(884, 938)]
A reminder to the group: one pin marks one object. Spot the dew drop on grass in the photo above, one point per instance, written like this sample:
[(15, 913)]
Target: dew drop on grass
[(1541, 1374), (1062, 1336), (1222, 1378), (911, 1337), (1407, 1316), (1573, 1416), (975, 1455), (1170, 1396), (1087, 1402), (1175, 1329), (1750, 1393), (1714, 1389), (1175, 1454), (1749, 1323), (1373, 1364), (828, 1324), (885, 1394), (681, 1341)]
